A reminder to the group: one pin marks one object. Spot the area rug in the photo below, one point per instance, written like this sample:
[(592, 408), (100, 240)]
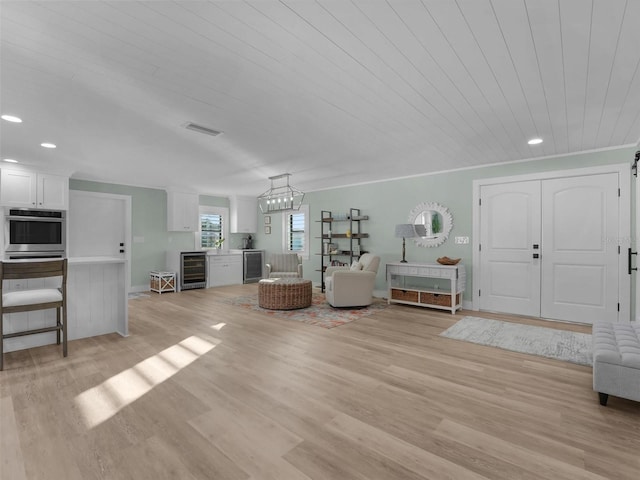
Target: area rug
[(571, 347), (320, 313)]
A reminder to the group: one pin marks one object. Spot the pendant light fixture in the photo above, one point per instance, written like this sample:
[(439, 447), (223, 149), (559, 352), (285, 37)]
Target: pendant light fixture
[(280, 198)]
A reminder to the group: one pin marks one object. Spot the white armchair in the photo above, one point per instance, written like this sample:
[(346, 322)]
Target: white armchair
[(352, 286), (284, 265)]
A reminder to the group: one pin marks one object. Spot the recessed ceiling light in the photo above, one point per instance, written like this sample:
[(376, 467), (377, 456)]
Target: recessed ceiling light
[(10, 160), (11, 118), (48, 145), (534, 141)]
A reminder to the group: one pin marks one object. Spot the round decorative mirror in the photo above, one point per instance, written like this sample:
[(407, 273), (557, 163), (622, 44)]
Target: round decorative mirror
[(433, 224)]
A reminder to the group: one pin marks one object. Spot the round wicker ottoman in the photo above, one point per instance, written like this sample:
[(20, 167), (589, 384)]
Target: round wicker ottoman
[(284, 293)]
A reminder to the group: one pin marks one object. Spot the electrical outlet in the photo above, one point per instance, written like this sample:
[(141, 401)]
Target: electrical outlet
[(462, 240)]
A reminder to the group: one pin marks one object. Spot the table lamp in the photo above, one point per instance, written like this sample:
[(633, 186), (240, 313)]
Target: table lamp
[(405, 230)]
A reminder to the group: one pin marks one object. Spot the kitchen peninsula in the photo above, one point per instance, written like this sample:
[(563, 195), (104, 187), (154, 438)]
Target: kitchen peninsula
[(96, 304)]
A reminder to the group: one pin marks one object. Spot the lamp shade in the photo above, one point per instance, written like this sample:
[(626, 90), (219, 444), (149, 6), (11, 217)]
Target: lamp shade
[(405, 230)]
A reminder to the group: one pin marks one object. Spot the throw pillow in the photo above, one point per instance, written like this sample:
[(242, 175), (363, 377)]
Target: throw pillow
[(356, 265)]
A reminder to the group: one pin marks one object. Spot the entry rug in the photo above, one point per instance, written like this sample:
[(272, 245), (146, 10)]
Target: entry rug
[(571, 347), (320, 313)]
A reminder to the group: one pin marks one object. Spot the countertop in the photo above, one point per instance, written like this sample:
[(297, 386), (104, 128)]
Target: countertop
[(94, 260)]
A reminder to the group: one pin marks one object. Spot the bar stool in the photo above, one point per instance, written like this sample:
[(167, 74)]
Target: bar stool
[(34, 299)]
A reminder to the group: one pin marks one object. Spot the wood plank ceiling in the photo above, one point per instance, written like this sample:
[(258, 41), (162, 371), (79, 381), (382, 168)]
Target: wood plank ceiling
[(335, 92)]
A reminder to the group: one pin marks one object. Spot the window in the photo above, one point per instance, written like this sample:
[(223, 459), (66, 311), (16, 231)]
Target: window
[(210, 229), (213, 226), (296, 231)]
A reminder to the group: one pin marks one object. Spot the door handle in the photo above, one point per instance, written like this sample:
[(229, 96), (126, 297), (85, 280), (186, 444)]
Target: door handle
[(536, 255), (629, 253)]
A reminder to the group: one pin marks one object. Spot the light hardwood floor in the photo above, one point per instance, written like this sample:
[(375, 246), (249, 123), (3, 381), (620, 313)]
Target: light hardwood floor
[(205, 390)]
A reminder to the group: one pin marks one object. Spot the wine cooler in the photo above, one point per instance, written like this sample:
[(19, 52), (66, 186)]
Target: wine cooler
[(193, 270)]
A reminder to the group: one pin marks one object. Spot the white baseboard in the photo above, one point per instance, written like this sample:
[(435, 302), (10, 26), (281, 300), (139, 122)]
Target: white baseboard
[(139, 288), (467, 305)]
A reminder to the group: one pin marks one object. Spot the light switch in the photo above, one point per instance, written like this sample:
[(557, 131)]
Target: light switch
[(462, 240)]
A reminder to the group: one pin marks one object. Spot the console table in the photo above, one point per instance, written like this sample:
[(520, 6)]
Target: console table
[(426, 284)]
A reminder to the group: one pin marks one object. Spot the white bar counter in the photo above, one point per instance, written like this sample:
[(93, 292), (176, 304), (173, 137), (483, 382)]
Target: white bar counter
[(96, 304)]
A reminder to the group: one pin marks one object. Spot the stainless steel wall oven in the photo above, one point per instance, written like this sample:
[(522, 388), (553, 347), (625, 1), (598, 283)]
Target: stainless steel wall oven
[(35, 232)]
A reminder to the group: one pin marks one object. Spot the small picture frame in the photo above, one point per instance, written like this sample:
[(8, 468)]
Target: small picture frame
[(267, 220), (267, 229)]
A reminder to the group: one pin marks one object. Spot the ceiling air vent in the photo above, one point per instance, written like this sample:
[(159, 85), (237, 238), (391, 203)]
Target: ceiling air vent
[(199, 128)]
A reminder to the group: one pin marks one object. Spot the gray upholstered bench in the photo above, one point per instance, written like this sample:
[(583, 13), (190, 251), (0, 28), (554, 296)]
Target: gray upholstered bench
[(616, 360)]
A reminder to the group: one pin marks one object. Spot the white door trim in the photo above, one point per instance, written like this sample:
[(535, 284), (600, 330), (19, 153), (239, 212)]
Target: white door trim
[(622, 236), (127, 227), (635, 260)]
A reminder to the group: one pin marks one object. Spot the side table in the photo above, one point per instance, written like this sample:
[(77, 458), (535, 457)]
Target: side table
[(162, 282)]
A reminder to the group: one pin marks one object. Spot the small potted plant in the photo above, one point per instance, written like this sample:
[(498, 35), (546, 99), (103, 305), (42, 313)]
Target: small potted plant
[(218, 243)]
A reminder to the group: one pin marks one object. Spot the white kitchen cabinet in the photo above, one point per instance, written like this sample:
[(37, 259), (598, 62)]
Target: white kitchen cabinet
[(224, 269), (244, 214), (182, 212), (27, 189)]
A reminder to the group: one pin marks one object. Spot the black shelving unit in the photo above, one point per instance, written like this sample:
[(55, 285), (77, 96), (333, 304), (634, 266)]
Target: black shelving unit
[(341, 238)]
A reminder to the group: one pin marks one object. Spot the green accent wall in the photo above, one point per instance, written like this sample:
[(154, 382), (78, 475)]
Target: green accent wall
[(149, 224), (386, 203), (389, 203)]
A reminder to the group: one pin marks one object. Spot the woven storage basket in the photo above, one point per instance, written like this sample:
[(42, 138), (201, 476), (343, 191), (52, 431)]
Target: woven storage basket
[(441, 299), (404, 295), (284, 293)]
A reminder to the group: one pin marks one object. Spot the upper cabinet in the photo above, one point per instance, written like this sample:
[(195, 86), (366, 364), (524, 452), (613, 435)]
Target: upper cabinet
[(33, 190), (182, 211), (244, 214)]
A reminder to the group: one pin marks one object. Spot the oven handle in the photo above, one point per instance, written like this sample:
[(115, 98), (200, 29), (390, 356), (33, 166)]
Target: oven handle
[(34, 219)]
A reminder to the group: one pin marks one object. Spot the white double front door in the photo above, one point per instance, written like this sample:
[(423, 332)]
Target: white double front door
[(548, 248)]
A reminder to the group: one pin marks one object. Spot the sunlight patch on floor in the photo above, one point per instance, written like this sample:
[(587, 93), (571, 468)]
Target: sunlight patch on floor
[(218, 326), (103, 401)]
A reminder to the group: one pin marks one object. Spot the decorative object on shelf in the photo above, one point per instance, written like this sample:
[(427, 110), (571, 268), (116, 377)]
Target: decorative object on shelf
[(280, 198), (405, 230), (267, 219), (448, 261), (436, 221)]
